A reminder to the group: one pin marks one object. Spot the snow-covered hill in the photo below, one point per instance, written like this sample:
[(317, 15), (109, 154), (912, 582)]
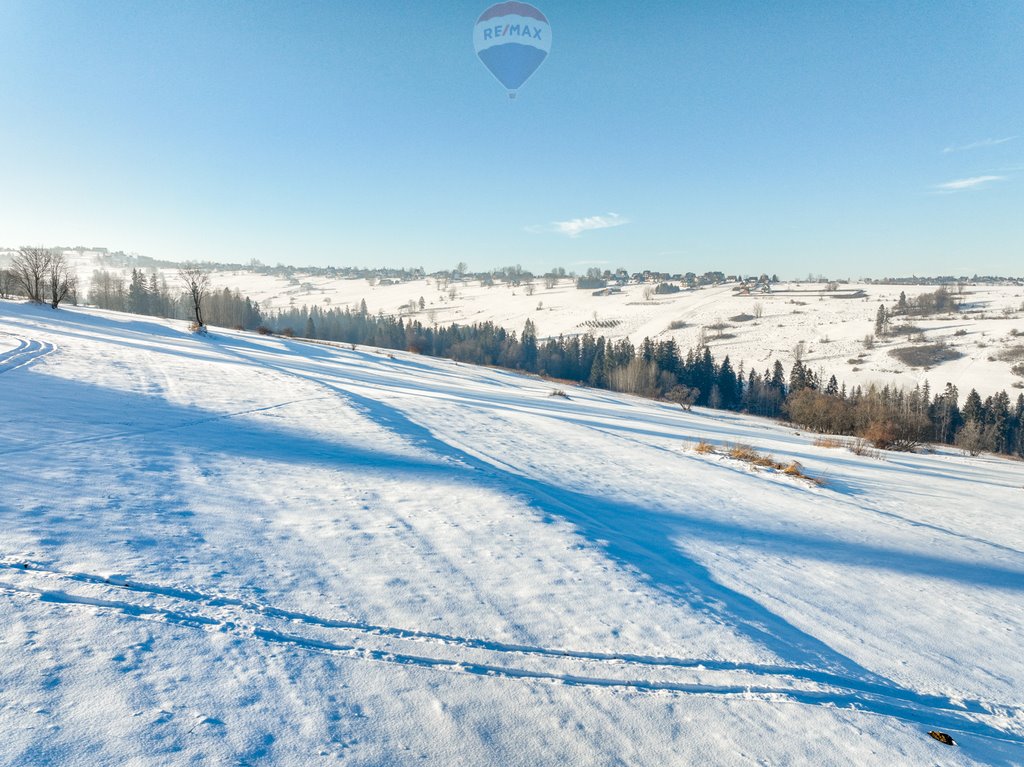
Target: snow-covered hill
[(244, 550), (989, 334), (987, 337)]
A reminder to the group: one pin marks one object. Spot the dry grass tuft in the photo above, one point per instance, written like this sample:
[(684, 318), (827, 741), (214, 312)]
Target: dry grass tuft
[(704, 448), (830, 442), (747, 454), (864, 448)]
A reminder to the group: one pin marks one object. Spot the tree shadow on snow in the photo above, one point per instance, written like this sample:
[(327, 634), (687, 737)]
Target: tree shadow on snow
[(639, 539)]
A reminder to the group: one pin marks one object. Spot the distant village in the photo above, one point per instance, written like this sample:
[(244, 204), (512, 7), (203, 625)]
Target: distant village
[(599, 282)]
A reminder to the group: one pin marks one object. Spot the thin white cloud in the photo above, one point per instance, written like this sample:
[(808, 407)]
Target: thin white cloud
[(961, 184), (574, 227), (978, 144)]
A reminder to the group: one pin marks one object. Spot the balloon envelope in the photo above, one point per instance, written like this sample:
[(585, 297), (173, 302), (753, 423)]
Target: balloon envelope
[(512, 39)]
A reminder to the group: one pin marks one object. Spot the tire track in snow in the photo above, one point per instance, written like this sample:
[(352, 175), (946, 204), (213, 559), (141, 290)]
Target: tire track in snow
[(370, 642), (25, 353)]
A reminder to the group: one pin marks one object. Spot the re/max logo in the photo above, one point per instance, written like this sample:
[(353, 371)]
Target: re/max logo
[(510, 30)]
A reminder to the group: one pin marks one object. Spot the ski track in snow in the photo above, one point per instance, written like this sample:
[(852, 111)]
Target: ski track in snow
[(225, 613)]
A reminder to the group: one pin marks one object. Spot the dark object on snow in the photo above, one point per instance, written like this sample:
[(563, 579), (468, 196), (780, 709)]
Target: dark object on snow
[(942, 737)]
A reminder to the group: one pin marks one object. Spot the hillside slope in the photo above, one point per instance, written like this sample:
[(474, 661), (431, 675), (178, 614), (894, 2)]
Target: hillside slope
[(986, 338), (244, 550)]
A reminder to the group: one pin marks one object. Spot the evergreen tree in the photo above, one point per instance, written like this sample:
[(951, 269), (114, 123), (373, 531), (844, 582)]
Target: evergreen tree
[(728, 386), (797, 377), (999, 418), (973, 410), (945, 415), (138, 296), (598, 375), (1019, 428), (647, 350), (881, 321), (528, 358), (778, 381), (703, 377), (666, 355)]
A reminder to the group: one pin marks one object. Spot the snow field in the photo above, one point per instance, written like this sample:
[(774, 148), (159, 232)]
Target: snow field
[(255, 551)]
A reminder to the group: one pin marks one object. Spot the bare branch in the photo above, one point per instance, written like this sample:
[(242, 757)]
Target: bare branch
[(31, 267), (197, 284)]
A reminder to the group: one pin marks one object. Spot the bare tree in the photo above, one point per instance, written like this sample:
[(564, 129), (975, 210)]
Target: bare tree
[(684, 396), (197, 284), (30, 268), (529, 288), (59, 279), (8, 283), (799, 351), (758, 310), (974, 438)]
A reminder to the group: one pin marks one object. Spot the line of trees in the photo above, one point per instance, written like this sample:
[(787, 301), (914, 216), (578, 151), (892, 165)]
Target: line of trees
[(940, 301), (42, 275), (902, 419), (888, 417), (192, 299)]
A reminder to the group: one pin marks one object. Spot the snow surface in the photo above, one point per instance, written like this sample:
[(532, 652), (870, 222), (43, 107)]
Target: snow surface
[(246, 550)]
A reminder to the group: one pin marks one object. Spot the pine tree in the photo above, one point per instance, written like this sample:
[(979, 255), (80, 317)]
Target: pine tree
[(728, 386), (778, 381), (647, 350), (797, 377), (1000, 419), (528, 357), (1019, 416), (137, 293), (973, 410), (945, 415), (881, 321), (597, 377)]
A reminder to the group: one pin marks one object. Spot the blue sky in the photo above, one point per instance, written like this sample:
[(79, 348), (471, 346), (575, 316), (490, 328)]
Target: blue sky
[(862, 139)]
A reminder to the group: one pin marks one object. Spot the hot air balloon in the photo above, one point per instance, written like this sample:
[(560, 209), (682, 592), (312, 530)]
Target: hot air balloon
[(512, 39)]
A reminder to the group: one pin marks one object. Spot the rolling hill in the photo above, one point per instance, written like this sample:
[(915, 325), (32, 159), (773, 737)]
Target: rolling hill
[(238, 549)]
